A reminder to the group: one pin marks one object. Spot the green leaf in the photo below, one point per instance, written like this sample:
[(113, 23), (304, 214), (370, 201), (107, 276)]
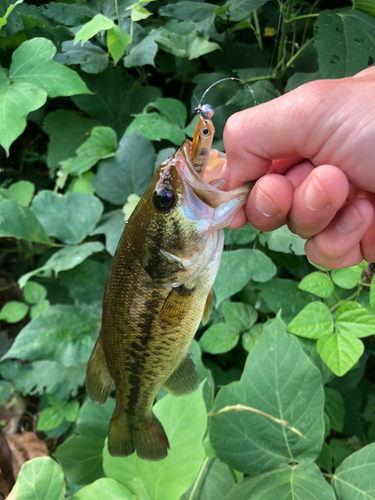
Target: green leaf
[(70, 14), (5, 390), (117, 41), (282, 294), (280, 380), (71, 410), (16, 102), (142, 51), (372, 293), (64, 259), (340, 450), (200, 47), (55, 401), (13, 311), (40, 376), (250, 338), (103, 488), (201, 14), (355, 320), (283, 240), (39, 308), (112, 225), (317, 283), (32, 64), (67, 131), (314, 321), (90, 29), (219, 338), (184, 420), (241, 236), (3, 20), (214, 484), (69, 218), (34, 292), (355, 478), (239, 316), (138, 13), (155, 127), (90, 57), (85, 282), (340, 352), (172, 110), (335, 408), (62, 333), (130, 171), (299, 79), (40, 479), (129, 207), (365, 5), (241, 9), (81, 454), (50, 418), (20, 222), (324, 460), (237, 267), (83, 184), (301, 482), (22, 192), (345, 40), (347, 278)]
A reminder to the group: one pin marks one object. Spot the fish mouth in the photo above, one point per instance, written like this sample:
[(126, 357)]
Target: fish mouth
[(210, 193)]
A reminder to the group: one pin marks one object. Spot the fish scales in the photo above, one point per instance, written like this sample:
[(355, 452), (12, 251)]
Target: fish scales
[(158, 289)]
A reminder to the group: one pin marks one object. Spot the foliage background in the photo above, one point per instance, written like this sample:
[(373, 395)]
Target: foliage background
[(93, 96)]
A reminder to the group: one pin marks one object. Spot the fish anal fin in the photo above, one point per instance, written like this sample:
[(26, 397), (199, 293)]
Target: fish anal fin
[(175, 307), (184, 380), (98, 378), (146, 437), (208, 306)]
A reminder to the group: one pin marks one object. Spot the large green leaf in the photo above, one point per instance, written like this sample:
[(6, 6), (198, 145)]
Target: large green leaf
[(20, 222), (355, 320), (365, 5), (130, 171), (214, 484), (70, 14), (142, 51), (201, 14), (301, 482), (90, 29), (190, 46), (67, 131), (112, 225), (283, 240), (314, 321), (85, 282), (172, 110), (155, 127), (81, 454), (17, 100), (62, 333), (334, 407), (32, 63), (240, 316), (69, 218), (355, 478), (241, 9), (90, 57), (345, 41), (184, 420), (103, 488), (40, 479), (237, 267), (281, 381)]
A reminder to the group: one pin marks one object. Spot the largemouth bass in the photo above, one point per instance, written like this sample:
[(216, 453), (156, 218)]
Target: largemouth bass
[(158, 289)]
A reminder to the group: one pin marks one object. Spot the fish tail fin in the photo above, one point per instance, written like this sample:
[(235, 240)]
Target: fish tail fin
[(98, 378), (147, 437)]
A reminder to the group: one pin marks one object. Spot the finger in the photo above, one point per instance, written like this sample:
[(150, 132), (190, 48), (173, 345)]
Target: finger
[(368, 239), (283, 164), (339, 243), (299, 173), (317, 200), (269, 202)]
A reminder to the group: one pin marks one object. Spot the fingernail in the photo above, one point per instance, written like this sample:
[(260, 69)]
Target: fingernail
[(315, 197), (349, 220), (264, 204)]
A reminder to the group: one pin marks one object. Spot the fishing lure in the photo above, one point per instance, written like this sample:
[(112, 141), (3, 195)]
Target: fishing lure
[(158, 289)]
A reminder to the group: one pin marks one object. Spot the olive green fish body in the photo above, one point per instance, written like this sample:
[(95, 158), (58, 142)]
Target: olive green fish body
[(157, 291)]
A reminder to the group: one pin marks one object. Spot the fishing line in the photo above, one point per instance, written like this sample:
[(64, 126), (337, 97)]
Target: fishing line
[(274, 46)]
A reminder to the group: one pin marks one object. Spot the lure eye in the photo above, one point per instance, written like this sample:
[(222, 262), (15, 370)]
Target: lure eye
[(164, 199), (205, 131)]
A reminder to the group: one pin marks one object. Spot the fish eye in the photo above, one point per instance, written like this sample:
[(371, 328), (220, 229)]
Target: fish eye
[(164, 199), (205, 131)]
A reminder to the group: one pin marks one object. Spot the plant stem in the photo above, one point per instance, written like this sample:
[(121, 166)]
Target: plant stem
[(257, 30), (298, 18), (198, 478), (117, 14), (292, 59), (265, 77), (284, 30)]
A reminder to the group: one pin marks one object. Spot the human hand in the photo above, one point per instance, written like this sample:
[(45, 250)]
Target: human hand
[(317, 146)]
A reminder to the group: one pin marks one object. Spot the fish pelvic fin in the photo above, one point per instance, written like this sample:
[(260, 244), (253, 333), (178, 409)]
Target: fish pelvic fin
[(146, 437), (98, 378), (184, 380)]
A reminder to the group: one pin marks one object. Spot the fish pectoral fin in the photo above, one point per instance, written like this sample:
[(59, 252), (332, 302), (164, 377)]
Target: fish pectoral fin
[(184, 379), (175, 307), (208, 306), (98, 378)]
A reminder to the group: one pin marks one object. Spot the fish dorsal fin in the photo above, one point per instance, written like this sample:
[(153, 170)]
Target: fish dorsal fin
[(184, 379), (175, 307), (208, 306), (98, 378)]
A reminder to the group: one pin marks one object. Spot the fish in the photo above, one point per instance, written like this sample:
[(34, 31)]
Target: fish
[(159, 287)]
